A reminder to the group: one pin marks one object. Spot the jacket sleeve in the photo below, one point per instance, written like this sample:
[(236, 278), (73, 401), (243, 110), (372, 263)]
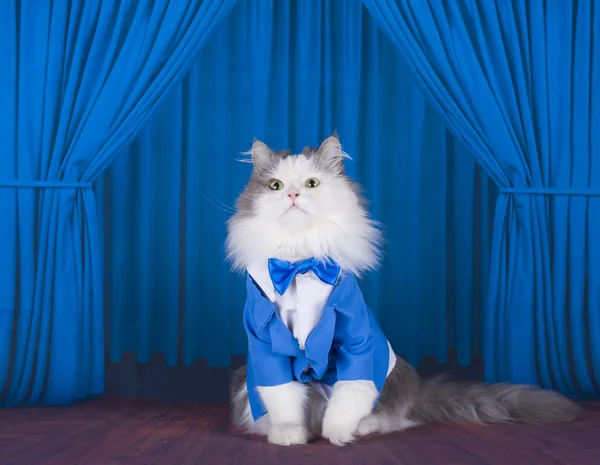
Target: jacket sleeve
[(269, 369), (355, 344)]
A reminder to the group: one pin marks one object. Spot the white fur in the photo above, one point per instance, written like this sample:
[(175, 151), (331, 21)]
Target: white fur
[(350, 402), (328, 222), (382, 423), (286, 406)]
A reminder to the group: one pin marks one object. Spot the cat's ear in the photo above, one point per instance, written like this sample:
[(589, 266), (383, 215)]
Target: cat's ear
[(262, 156), (330, 153)]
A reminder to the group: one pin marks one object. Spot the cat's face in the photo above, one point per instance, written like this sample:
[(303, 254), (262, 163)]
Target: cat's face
[(300, 206), (295, 193)]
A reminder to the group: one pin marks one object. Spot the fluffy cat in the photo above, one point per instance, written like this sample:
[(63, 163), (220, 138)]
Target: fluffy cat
[(298, 207)]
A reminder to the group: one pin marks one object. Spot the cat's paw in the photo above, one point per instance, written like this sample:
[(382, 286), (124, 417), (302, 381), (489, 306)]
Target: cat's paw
[(287, 434), (338, 434), (338, 428), (368, 425), (350, 402)]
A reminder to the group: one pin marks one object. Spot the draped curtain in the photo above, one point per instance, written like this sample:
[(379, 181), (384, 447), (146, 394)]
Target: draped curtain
[(289, 73), (518, 82), (79, 80)]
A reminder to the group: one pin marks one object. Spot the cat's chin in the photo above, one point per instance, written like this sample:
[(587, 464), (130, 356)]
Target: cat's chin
[(295, 218)]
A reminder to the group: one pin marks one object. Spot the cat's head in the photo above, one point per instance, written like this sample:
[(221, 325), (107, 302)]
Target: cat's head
[(301, 206)]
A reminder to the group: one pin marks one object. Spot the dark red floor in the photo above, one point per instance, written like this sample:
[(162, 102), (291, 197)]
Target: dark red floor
[(111, 431)]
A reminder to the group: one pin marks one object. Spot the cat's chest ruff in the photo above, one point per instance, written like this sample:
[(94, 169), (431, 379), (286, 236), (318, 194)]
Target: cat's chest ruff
[(301, 306)]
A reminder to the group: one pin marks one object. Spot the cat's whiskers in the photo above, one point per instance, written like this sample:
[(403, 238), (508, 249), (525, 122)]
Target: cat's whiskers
[(242, 195), (222, 205)]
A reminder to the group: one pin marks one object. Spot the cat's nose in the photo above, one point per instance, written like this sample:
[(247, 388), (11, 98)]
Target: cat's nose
[(293, 195)]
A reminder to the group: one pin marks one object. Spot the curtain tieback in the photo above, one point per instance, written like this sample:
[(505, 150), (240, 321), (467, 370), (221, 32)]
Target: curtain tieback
[(548, 191), (46, 184)]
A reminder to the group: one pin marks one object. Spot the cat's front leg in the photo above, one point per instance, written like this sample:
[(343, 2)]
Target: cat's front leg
[(350, 402), (285, 405)]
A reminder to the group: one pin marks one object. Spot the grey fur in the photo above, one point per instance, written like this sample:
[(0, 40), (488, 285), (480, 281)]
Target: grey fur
[(239, 401), (400, 389), (258, 183), (440, 401), (315, 412), (443, 401), (405, 395), (319, 159)]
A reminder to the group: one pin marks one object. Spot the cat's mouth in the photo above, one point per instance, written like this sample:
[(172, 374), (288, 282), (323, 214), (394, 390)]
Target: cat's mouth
[(293, 208)]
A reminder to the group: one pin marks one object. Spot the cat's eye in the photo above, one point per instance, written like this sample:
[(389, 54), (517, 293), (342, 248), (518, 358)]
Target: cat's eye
[(312, 183), (275, 185)]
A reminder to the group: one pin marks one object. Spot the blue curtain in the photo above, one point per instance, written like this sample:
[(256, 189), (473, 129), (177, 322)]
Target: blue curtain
[(289, 73), (79, 80), (518, 82)]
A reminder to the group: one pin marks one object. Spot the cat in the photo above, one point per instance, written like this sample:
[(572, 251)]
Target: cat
[(302, 226)]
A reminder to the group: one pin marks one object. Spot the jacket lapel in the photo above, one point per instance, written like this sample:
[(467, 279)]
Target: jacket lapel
[(318, 343)]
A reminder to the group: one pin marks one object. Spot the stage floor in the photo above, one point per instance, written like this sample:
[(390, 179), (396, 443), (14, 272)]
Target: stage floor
[(109, 431)]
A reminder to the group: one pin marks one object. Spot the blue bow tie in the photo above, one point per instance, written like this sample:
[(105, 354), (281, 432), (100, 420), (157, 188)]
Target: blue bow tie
[(283, 273)]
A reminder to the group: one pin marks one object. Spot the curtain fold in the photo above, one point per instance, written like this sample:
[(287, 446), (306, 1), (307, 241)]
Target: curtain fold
[(289, 73), (80, 79), (518, 83)]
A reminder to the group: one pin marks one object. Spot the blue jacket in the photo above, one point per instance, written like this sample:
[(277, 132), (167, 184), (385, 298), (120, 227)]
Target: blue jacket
[(346, 345)]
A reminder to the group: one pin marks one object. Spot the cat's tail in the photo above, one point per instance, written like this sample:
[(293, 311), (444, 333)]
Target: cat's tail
[(441, 401)]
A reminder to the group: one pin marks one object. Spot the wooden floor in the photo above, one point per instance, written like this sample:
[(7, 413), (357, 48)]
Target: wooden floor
[(111, 431)]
